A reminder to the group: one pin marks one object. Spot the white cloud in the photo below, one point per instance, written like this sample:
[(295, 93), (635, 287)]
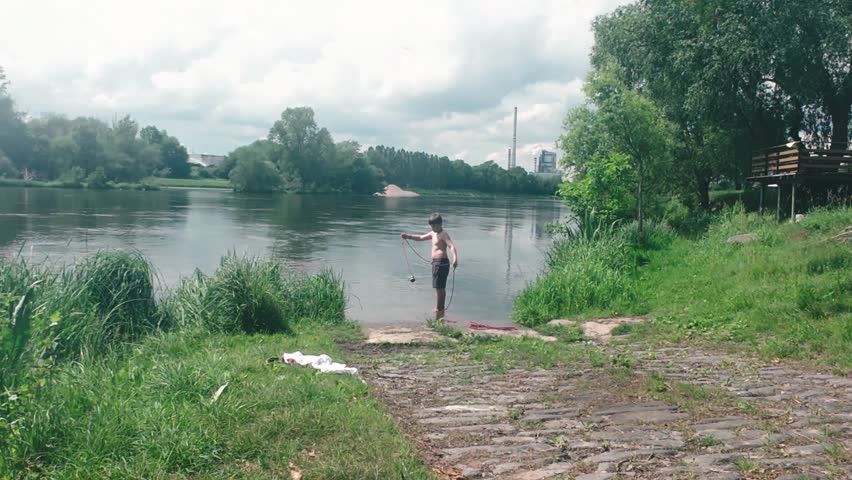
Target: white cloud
[(437, 76)]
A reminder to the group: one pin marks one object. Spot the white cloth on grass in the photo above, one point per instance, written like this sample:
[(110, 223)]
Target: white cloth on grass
[(322, 362)]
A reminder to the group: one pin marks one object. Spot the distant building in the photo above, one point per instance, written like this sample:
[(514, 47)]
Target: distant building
[(545, 162), (204, 160)]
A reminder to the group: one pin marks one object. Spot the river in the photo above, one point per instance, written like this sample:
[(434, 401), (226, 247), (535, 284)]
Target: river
[(501, 241)]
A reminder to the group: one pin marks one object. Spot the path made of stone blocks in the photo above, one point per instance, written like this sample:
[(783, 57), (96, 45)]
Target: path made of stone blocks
[(566, 422)]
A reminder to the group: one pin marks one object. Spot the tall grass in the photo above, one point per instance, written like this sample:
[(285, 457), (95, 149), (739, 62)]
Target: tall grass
[(787, 294), (245, 295), (318, 298), (250, 295), (107, 299), (19, 287), (590, 267), (138, 405)]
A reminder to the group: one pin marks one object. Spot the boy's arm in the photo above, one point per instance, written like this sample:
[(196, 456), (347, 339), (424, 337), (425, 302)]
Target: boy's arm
[(453, 250), (419, 238)]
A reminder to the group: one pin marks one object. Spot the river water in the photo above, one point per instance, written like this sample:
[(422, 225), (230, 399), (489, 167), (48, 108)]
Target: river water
[(501, 241)]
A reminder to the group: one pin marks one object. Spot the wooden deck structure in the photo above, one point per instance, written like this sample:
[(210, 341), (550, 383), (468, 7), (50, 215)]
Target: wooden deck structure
[(795, 165)]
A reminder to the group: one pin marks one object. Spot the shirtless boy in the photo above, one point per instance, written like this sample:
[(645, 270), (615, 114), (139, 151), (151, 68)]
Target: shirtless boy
[(440, 262)]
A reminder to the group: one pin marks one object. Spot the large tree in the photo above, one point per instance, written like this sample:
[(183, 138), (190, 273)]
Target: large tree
[(172, 155), (305, 150), (619, 128), (734, 75), (14, 138)]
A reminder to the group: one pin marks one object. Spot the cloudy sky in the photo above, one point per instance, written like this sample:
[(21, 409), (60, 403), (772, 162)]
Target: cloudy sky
[(437, 76)]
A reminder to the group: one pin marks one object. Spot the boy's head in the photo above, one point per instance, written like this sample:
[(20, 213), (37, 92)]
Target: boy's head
[(436, 222)]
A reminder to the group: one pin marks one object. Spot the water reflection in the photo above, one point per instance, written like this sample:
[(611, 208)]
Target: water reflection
[(500, 240)]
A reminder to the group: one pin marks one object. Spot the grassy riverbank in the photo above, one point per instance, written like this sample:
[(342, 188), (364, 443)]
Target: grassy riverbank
[(786, 294), (148, 184), (192, 182), (102, 380), (472, 194)]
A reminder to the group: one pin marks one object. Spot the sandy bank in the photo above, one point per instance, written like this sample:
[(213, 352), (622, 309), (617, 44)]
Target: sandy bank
[(394, 191)]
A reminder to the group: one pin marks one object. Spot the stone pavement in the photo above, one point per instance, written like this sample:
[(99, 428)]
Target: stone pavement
[(737, 417)]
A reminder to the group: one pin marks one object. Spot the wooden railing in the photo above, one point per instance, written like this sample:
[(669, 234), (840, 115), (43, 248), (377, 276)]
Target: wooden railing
[(794, 160)]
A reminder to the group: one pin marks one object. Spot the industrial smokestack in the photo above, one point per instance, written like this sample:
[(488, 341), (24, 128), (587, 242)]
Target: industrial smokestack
[(509, 160), (515, 141)]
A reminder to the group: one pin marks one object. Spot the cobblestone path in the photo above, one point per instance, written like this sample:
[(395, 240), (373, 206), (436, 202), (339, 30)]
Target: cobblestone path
[(666, 412)]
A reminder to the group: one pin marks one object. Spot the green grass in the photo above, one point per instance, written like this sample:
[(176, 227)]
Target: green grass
[(100, 380), (192, 182), (149, 413), (245, 295), (786, 295), (249, 295), (709, 441), (590, 270), (146, 184)]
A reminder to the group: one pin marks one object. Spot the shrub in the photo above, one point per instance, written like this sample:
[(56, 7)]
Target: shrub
[(107, 299), (246, 295), (255, 175), (186, 308), (97, 179), (684, 219), (319, 298), (583, 273)]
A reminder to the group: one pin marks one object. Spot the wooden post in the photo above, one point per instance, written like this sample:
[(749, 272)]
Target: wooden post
[(778, 203), (793, 203), (760, 204)]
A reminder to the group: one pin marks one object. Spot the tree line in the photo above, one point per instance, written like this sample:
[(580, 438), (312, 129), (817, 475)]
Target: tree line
[(681, 93), (298, 155), (84, 149)]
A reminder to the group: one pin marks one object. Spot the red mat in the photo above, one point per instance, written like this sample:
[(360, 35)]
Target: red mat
[(483, 326)]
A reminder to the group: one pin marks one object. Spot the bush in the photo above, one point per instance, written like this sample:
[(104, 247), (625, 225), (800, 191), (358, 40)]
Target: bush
[(319, 298), (106, 300), (73, 178), (97, 179), (255, 175), (686, 220), (583, 274), (7, 168), (246, 295)]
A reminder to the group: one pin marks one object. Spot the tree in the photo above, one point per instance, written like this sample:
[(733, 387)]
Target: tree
[(253, 171), (90, 151), (624, 127), (152, 135), (172, 155), (14, 138), (812, 64), (296, 133), (7, 169), (734, 76)]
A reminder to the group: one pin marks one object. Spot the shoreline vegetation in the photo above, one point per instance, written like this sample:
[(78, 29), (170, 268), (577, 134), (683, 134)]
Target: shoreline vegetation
[(782, 290), (296, 156), (103, 377), (158, 183)]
